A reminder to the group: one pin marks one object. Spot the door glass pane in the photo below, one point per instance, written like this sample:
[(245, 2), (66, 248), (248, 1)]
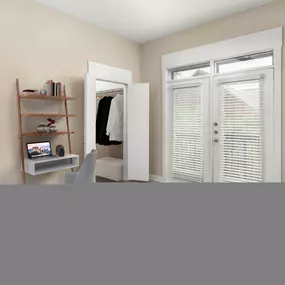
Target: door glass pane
[(241, 131), (187, 152), (245, 62)]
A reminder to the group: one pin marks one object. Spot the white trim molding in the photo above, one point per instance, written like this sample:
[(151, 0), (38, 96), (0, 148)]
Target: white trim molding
[(109, 73), (253, 43), (155, 178), (268, 40)]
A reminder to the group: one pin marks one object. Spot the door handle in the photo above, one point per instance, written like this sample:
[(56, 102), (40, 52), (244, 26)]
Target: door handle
[(216, 140)]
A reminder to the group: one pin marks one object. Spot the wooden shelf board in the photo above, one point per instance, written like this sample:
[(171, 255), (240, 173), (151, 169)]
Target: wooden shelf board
[(48, 115), (45, 97), (47, 134)]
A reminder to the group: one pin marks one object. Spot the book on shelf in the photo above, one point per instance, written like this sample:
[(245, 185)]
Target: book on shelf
[(59, 89), (48, 88), (53, 88)]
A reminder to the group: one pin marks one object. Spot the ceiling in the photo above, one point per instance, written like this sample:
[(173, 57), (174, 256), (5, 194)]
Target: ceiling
[(145, 20)]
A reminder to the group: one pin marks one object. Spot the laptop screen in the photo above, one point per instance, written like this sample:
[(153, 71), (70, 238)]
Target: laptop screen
[(40, 149)]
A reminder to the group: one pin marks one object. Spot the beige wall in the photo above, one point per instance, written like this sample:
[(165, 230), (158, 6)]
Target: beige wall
[(266, 17), (36, 44)]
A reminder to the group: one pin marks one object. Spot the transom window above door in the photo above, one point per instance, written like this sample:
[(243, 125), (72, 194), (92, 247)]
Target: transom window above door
[(234, 64), (244, 62), (191, 71)]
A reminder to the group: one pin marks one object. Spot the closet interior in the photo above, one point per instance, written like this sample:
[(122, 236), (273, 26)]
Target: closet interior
[(110, 98)]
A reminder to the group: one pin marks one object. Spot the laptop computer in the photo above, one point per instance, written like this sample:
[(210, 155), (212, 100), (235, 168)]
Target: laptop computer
[(39, 150)]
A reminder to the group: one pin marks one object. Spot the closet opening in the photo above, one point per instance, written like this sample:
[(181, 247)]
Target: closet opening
[(128, 158), (110, 131)]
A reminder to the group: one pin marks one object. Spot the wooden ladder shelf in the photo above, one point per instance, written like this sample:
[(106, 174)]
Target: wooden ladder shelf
[(22, 134)]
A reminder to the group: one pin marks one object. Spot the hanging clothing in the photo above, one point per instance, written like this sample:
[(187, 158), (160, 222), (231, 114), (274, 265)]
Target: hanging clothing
[(115, 126), (101, 122)]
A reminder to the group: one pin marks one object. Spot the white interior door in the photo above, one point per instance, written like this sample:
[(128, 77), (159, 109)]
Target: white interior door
[(89, 113), (138, 132), (243, 136)]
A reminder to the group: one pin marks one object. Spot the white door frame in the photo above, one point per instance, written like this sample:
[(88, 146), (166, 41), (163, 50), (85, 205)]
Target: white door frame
[(110, 74), (253, 43)]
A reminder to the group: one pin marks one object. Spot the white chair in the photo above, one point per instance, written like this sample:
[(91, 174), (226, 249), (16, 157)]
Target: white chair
[(86, 173)]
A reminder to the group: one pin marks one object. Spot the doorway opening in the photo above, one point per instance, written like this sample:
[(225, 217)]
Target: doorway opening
[(110, 131), (122, 143)]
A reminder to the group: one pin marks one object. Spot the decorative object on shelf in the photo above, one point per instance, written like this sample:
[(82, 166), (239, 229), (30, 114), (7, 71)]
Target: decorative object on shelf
[(34, 92), (53, 129), (43, 92), (51, 125), (29, 91), (42, 128), (60, 150)]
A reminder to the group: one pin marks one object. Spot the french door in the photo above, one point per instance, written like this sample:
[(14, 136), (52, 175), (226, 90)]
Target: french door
[(222, 128), (190, 136)]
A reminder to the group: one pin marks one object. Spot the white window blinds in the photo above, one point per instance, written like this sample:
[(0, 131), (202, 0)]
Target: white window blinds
[(187, 152), (241, 131)]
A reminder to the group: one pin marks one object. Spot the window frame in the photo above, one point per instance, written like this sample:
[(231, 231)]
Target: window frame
[(190, 68), (233, 60), (213, 65)]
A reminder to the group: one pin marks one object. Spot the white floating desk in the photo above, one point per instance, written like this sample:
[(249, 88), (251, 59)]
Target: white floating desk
[(51, 164)]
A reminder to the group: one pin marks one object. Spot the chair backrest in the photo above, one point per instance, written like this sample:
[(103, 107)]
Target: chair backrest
[(86, 174)]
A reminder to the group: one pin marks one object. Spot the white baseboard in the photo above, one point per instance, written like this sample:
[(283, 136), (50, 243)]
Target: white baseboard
[(156, 178)]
